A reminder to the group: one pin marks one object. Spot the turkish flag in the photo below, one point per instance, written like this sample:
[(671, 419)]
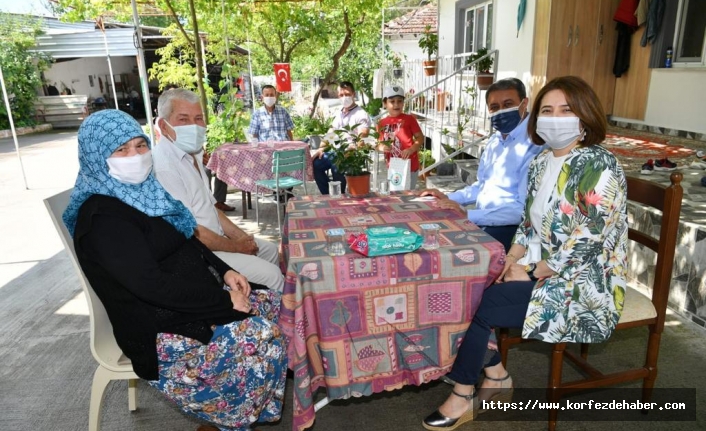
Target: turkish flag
[(284, 80)]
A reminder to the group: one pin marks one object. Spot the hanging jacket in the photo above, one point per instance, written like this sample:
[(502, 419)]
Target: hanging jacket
[(626, 12)]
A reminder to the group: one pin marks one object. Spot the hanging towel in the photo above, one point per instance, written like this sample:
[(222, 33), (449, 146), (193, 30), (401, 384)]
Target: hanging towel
[(654, 21)]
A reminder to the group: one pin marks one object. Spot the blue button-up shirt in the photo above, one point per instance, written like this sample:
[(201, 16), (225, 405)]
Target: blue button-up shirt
[(271, 127), (501, 186)]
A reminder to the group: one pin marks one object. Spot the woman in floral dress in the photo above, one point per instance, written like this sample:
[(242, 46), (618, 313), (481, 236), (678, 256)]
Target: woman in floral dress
[(193, 327), (564, 276)]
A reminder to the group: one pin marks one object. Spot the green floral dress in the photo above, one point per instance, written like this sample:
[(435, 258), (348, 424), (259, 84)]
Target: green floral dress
[(584, 241)]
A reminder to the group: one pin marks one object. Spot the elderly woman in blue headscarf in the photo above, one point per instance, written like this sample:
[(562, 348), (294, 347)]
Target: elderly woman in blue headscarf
[(192, 326)]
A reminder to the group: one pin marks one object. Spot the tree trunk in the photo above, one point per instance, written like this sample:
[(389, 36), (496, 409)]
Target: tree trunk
[(196, 44), (199, 62), (336, 61)]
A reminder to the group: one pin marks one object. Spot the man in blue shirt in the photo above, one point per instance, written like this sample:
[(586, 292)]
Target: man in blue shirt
[(271, 122), (500, 190)]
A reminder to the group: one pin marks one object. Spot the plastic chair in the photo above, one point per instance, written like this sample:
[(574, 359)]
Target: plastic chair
[(282, 162), (112, 363), (638, 309)]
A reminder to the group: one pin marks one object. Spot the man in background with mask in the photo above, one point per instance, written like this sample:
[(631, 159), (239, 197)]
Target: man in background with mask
[(178, 167), (271, 122), (500, 190), (350, 115)]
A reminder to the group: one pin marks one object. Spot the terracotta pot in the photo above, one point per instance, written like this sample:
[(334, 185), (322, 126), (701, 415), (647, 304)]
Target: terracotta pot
[(358, 185), (484, 80), (429, 67), (440, 102)]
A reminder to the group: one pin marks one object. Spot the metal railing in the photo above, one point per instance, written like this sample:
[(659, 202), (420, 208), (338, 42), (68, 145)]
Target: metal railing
[(449, 106)]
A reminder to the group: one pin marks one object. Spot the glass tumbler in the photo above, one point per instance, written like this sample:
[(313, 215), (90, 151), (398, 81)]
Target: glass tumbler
[(430, 236), (336, 242), (334, 189)]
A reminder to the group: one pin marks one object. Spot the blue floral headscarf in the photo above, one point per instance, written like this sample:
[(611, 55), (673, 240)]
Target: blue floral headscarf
[(98, 137)]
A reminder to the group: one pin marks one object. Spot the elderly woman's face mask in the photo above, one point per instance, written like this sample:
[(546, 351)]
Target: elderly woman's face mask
[(131, 163)]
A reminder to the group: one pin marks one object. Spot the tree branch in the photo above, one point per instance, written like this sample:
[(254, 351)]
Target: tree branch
[(181, 27), (288, 54), (336, 60)]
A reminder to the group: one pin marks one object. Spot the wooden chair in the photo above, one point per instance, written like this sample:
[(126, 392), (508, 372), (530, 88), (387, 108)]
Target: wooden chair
[(282, 162), (112, 363), (639, 310)]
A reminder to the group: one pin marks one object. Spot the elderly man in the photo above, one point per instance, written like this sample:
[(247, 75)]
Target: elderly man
[(178, 167), (500, 190), (350, 115), (271, 122)]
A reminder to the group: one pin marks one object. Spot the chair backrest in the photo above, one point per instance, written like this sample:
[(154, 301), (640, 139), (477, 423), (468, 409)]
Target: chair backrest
[(288, 161), (103, 345), (668, 200)]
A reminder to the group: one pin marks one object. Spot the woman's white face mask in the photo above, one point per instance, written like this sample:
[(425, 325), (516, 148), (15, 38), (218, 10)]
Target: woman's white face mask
[(559, 132), (130, 170)]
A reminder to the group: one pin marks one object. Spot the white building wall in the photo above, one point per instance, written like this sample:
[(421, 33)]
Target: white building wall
[(677, 99), (446, 27), (408, 46), (515, 57), (74, 74)]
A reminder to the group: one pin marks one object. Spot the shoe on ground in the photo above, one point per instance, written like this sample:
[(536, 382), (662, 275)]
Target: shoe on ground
[(698, 164), (647, 168), (223, 207), (703, 181), (664, 165)]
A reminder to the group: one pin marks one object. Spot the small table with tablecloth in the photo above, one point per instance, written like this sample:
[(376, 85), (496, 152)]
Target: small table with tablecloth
[(359, 325), (241, 165)]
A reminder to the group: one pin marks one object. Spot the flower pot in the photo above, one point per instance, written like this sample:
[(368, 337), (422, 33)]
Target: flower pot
[(397, 73), (484, 80), (358, 185), (429, 67), (440, 102)]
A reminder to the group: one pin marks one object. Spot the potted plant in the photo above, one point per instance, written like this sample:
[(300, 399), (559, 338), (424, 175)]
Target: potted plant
[(482, 68), (426, 159), (350, 153), (311, 127), (396, 61), (429, 43)]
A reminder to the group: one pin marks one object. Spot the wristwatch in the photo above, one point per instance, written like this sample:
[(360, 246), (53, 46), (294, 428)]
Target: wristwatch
[(529, 269)]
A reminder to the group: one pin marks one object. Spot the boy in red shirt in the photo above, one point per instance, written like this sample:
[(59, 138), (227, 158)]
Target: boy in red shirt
[(401, 130)]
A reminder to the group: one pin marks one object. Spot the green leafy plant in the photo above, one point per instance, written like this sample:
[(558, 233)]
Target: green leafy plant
[(229, 124), (349, 151), (426, 159), (482, 66), (21, 68), (310, 126), (373, 107), (429, 42)]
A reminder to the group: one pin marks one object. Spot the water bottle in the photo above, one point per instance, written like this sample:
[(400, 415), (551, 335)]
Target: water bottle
[(668, 61)]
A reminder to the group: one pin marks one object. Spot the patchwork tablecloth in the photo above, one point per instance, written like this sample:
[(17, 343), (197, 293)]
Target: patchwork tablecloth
[(359, 325)]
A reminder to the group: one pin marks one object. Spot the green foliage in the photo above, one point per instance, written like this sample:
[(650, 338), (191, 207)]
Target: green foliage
[(306, 126), (426, 159), (429, 42), (21, 68), (373, 107), (350, 152), (483, 65), (229, 124)]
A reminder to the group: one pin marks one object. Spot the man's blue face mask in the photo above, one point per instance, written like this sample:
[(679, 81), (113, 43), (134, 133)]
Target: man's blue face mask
[(505, 120)]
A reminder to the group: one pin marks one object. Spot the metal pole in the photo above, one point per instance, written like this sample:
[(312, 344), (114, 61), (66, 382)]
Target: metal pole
[(110, 64), (143, 71), (12, 126), (252, 84)]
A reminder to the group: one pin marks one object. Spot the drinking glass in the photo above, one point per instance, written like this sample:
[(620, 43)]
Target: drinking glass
[(335, 242), (384, 188), (430, 236), (334, 189)]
